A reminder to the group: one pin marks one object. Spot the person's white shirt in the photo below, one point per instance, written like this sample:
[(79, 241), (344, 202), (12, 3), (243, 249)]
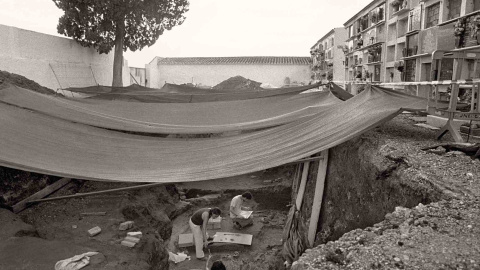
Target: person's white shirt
[(236, 206)]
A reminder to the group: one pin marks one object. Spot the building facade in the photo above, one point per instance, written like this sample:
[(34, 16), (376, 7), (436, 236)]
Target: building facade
[(209, 71), (365, 44), (412, 41), (327, 56)]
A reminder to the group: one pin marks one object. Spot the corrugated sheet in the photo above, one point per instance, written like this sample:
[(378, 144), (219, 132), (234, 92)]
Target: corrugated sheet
[(242, 60)]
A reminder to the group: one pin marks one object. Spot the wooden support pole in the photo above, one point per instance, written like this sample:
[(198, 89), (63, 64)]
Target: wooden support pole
[(303, 183), (40, 194), (95, 193), (318, 197)]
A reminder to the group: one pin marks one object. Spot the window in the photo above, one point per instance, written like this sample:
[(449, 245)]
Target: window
[(453, 7), (409, 70), (412, 45), (432, 15)]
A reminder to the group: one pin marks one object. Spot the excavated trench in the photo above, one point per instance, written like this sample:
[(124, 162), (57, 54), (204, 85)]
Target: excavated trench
[(361, 187)]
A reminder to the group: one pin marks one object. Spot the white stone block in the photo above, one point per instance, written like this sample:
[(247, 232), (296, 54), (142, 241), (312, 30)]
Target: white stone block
[(135, 234), (214, 223), (125, 225), (128, 243), (94, 231), (132, 239)]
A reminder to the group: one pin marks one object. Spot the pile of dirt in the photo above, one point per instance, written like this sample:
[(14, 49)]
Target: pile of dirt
[(23, 82), (441, 235), (238, 83)]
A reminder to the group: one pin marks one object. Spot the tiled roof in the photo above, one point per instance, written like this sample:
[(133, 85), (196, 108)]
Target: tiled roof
[(241, 60)]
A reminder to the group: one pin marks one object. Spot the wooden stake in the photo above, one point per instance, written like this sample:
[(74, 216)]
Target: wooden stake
[(301, 190), (41, 194), (318, 197)]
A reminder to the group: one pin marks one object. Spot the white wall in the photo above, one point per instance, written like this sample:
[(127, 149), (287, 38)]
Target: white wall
[(341, 35), (33, 55), (213, 74)]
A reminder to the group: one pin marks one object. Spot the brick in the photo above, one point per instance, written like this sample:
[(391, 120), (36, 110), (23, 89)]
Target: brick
[(132, 239), (94, 231), (135, 234), (128, 243), (215, 223), (125, 225), (185, 240)]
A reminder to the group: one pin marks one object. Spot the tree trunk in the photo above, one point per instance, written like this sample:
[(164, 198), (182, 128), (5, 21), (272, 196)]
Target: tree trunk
[(118, 57)]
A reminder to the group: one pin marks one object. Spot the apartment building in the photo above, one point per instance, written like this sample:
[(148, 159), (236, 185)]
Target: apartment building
[(365, 44), (412, 41), (327, 56)]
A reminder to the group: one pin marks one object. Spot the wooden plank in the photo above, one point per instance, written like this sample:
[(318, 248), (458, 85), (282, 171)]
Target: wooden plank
[(303, 182), (77, 195), (93, 214), (317, 199), (40, 194), (233, 238), (303, 160)]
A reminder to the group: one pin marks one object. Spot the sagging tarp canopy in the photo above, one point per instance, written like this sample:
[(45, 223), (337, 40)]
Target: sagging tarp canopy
[(101, 89), (35, 142), (173, 118), (183, 89), (163, 97), (339, 92)]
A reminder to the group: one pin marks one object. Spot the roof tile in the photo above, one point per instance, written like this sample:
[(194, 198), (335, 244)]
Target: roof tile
[(239, 60)]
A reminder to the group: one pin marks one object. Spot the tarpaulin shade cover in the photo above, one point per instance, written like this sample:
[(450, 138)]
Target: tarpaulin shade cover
[(200, 96), (183, 89), (339, 92), (39, 143), (100, 89), (173, 118)]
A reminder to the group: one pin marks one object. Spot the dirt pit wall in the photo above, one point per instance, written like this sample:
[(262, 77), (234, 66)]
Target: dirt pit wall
[(365, 181)]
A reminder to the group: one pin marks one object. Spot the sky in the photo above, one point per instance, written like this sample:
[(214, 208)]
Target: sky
[(216, 28)]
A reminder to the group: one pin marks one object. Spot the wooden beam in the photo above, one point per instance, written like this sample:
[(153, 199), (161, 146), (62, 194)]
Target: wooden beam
[(40, 194), (304, 160), (318, 197), (95, 193), (303, 183)]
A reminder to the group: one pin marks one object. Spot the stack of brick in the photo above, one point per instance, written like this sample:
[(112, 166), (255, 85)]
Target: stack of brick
[(131, 239)]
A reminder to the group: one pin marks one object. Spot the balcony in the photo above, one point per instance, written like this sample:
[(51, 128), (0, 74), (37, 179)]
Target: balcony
[(461, 33)]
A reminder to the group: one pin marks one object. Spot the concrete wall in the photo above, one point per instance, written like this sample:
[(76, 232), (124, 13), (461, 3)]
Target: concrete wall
[(35, 56), (211, 75), (137, 76)]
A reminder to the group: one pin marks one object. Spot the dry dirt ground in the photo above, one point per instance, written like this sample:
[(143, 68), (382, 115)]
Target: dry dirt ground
[(48, 232)]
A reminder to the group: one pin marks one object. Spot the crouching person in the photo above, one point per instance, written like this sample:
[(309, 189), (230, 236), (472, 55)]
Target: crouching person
[(236, 207)]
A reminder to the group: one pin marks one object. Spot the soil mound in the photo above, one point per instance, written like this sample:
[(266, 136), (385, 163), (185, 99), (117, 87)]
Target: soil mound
[(238, 82), (21, 81)]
